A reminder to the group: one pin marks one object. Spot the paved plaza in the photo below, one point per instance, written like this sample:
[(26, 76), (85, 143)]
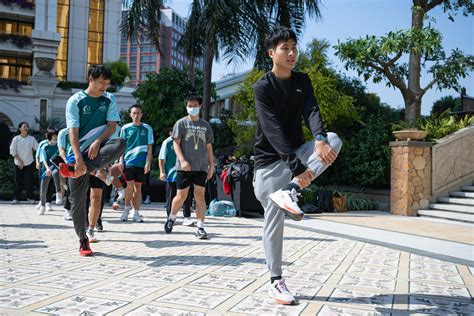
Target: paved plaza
[(137, 269)]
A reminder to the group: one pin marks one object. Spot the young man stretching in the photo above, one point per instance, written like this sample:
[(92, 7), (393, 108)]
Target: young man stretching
[(136, 161), (284, 163), (91, 117), (192, 142)]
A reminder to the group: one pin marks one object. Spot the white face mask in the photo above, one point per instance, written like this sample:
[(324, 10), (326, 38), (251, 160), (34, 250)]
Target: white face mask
[(192, 111)]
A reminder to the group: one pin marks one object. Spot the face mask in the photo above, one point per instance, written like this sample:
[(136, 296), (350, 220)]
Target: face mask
[(192, 111)]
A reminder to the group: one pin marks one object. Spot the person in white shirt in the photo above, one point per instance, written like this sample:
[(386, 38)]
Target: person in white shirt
[(21, 149)]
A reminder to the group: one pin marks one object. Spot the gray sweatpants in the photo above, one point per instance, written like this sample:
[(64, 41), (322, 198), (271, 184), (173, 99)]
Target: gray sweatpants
[(110, 152), (45, 183), (272, 178)]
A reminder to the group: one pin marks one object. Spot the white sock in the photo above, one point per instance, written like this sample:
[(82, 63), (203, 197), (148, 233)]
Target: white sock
[(137, 211), (172, 216), (200, 223)]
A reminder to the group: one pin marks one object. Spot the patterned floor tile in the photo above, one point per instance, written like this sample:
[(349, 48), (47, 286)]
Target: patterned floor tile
[(414, 257), (149, 310), (128, 288), (306, 276), (441, 290), (380, 253), (67, 281), (368, 283), (471, 269), (248, 270), (361, 297), (18, 298), (328, 310), (223, 282), (437, 267), (426, 276), (56, 263), (315, 265), (439, 306), (194, 297), (106, 268), (254, 305), (373, 271), (387, 263), (161, 275), (82, 305), (11, 274), (191, 263)]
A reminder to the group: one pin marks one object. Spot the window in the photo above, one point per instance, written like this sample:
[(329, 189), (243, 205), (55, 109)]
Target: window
[(62, 27), (15, 27), (95, 33), (15, 68)]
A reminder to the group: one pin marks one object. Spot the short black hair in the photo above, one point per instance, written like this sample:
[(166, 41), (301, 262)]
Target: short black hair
[(138, 106), (50, 133), (19, 127), (193, 97), (277, 35), (97, 71)]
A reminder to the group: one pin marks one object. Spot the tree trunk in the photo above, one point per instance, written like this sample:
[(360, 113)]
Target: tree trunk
[(412, 106), (206, 96), (192, 73)]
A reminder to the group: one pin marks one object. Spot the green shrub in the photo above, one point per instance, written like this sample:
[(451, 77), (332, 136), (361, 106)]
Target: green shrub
[(354, 202)]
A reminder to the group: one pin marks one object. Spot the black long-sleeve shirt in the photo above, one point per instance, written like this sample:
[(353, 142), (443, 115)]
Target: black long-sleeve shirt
[(280, 106)]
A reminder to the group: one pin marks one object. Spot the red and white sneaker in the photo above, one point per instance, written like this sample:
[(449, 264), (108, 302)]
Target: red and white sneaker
[(288, 202), (85, 249), (280, 293)]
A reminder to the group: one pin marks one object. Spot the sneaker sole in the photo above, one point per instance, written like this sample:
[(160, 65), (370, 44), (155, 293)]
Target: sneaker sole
[(89, 254), (294, 215), (284, 302)]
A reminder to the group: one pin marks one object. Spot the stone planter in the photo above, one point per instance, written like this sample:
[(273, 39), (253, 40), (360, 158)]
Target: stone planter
[(409, 134)]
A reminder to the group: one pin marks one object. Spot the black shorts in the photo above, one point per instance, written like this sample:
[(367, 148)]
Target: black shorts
[(96, 183), (185, 178), (134, 174)]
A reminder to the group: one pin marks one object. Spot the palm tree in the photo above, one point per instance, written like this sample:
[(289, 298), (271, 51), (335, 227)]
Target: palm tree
[(235, 28), (238, 28)]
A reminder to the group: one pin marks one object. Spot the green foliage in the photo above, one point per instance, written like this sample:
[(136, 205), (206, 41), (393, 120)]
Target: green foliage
[(223, 135), (162, 99), (6, 175), (119, 71), (354, 202), (437, 126), (11, 84), (244, 111), (18, 40), (446, 103), (365, 158)]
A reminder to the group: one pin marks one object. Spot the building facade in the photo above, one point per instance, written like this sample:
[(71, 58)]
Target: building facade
[(142, 56), (44, 42)]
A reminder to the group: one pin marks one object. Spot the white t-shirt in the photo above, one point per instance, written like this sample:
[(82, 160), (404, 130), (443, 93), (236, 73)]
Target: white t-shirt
[(23, 147)]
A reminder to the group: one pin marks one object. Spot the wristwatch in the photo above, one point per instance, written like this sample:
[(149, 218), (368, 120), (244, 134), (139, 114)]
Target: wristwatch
[(321, 138)]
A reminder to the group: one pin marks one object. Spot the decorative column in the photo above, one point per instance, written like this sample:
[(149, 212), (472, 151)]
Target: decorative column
[(410, 174)]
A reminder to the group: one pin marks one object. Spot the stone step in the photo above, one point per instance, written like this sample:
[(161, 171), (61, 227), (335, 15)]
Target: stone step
[(462, 194), (454, 216), (466, 201), (468, 188), (453, 208)]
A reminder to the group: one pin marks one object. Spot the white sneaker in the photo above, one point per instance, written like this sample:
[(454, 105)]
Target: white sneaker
[(280, 293), (38, 205), (188, 222), (124, 216), (41, 210), (147, 200), (137, 217), (49, 207), (121, 195), (15, 202), (91, 235), (288, 202), (59, 199), (67, 215)]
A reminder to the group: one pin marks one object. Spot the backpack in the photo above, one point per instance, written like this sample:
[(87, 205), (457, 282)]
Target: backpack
[(324, 201), (221, 208)]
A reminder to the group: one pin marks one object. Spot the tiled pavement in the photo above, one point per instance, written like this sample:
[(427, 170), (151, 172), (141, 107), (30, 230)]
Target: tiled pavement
[(139, 270)]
